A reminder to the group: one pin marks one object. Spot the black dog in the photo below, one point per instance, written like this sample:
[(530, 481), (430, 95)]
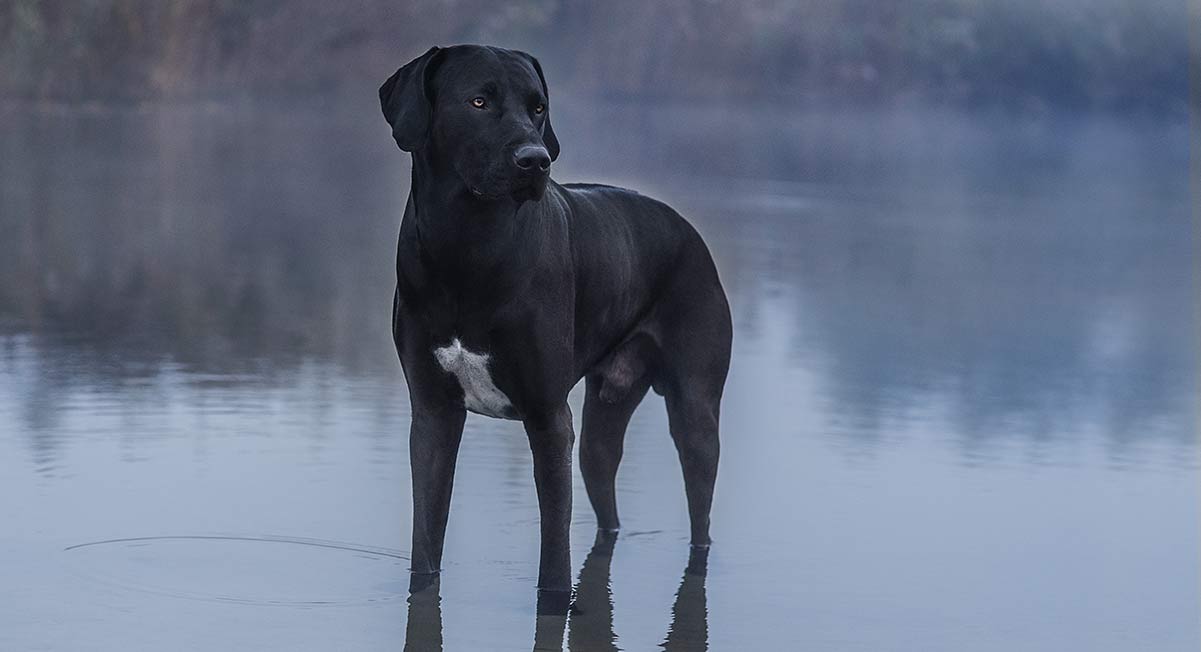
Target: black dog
[(511, 287)]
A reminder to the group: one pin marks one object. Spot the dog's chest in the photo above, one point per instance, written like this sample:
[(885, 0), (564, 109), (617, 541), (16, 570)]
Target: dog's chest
[(480, 393)]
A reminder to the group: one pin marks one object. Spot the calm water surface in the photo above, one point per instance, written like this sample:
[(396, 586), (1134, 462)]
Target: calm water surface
[(961, 413)]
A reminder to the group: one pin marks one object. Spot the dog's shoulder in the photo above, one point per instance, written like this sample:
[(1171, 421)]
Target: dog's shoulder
[(615, 202), (588, 193), (596, 203), (610, 224)]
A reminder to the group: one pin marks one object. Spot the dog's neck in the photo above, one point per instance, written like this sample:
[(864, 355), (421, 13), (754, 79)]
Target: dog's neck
[(460, 232)]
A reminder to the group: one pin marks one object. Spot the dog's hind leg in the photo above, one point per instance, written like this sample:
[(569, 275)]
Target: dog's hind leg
[(696, 360), (602, 438), (693, 420), (697, 334)]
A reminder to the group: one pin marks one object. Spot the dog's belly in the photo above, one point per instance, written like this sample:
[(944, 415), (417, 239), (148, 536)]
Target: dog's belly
[(480, 394)]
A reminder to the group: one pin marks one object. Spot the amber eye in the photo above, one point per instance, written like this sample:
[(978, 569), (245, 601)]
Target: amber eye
[(539, 109), (478, 102)]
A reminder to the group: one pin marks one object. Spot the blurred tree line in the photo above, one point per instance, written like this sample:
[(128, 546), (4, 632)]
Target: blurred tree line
[(1123, 54)]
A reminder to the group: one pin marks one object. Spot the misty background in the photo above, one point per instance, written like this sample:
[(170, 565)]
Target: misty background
[(958, 241), (1116, 54)]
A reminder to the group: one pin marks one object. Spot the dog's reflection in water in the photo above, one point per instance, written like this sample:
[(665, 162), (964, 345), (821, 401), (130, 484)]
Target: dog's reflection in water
[(589, 626), (591, 620)]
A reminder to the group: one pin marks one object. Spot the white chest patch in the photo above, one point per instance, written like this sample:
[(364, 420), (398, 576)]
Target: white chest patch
[(480, 394)]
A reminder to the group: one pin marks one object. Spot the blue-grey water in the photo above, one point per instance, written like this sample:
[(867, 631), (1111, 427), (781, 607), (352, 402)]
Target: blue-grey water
[(962, 411)]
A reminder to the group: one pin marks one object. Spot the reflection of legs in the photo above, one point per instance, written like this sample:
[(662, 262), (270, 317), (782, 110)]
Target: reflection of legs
[(548, 632), (424, 630), (592, 614), (690, 614), (601, 441)]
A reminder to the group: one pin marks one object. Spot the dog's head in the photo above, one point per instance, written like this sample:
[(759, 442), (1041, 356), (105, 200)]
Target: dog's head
[(480, 111)]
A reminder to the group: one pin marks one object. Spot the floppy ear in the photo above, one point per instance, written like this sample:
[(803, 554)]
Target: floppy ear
[(548, 133), (405, 103)]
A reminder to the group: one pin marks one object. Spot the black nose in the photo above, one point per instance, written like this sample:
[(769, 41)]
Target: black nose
[(529, 157)]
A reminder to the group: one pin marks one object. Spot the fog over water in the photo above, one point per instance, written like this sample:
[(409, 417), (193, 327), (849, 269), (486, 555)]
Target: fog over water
[(961, 411)]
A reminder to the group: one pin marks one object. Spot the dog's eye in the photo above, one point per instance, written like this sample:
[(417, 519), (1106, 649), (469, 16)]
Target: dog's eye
[(539, 109), (478, 102)]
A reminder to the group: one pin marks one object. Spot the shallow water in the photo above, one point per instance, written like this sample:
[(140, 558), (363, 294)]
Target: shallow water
[(961, 413)]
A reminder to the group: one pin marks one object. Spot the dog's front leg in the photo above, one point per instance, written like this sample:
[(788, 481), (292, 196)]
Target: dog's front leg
[(433, 446), (551, 439)]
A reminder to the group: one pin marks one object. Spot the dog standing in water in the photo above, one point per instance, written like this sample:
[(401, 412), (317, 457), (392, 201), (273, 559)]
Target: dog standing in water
[(511, 288)]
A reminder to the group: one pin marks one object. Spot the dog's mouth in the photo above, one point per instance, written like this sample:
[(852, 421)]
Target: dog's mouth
[(480, 193), (524, 190)]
